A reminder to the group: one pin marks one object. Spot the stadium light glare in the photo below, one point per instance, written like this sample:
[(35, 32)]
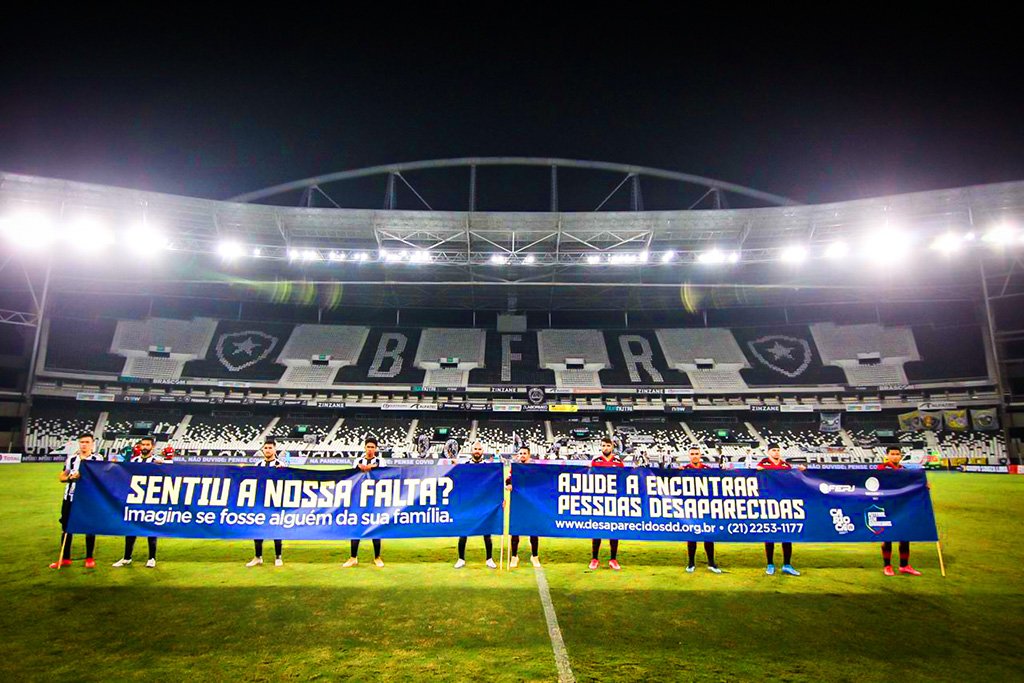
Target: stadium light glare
[(420, 256), (230, 250), (837, 250), (717, 257), (886, 246), (29, 230), (644, 256), (793, 254), (948, 243), (310, 255), (593, 259), (88, 235), (668, 256), (711, 257), (362, 256), (257, 252), (293, 254), (499, 259), (145, 240), (1000, 235), (970, 236), (530, 259)]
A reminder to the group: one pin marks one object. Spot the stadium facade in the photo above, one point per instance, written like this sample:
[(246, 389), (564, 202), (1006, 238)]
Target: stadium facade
[(216, 323)]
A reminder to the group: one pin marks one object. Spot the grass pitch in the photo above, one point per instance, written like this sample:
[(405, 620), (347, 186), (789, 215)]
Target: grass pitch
[(202, 615)]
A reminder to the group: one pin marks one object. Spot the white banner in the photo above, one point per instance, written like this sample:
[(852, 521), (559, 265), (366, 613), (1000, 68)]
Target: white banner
[(10, 458), (937, 405), (408, 406)]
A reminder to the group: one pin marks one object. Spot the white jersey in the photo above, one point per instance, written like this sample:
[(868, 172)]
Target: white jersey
[(263, 462), (154, 459), (366, 462), (71, 466)]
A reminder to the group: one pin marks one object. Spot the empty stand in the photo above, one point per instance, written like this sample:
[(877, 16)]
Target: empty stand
[(355, 429), (178, 341), (343, 343), (869, 354), (81, 346), (576, 356), (498, 436), (511, 358), (52, 430), (153, 368), (309, 375), (446, 377), (387, 358), (181, 337), (224, 431), (711, 358)]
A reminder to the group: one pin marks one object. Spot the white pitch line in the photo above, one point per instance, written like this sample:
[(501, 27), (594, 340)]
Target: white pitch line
[(557, 644)]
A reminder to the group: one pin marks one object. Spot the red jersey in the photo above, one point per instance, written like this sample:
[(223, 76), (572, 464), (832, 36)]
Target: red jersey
[(600, 461), (889, 466), (698, 466), (767, 464)]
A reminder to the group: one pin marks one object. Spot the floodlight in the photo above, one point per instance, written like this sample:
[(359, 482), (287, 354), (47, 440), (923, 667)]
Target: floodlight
[(837, 250), (229, 250), (145, 240), (948, 243), (30, 230), (794, 253)]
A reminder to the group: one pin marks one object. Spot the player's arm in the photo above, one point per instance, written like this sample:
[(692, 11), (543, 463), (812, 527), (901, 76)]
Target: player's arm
[(64, 476)]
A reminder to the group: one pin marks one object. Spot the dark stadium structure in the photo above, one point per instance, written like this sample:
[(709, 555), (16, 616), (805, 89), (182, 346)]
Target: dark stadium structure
[(726, 318)]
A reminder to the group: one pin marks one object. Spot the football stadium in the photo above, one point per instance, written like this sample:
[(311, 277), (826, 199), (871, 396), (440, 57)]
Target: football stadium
[(796, 429)]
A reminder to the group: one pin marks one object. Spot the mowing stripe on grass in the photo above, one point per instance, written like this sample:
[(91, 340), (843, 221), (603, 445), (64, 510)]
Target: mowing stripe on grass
[(555, 633)]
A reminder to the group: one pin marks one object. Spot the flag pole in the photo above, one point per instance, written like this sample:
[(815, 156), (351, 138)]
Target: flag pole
[(63, 544)]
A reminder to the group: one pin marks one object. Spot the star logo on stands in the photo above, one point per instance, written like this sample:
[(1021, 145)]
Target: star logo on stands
[(237, 351), (246, 346), (789, 356)]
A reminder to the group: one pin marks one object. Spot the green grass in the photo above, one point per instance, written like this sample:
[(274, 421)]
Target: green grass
[(202, 615)]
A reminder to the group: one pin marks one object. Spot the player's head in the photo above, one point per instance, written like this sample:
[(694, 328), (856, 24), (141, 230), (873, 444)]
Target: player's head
[(524, 454), (269, 449), (774, 452), (894, 454), (607, 446), (370, 447), (145, 445), (86, 442), (477, 451), (695, 455)]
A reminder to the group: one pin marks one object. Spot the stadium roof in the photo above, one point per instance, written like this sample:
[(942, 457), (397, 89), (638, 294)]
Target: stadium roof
[(528, 259)]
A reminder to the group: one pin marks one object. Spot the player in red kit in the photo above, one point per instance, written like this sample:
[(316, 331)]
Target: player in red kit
[(697, 463), (893, 461), (774, 461), (606, 459)]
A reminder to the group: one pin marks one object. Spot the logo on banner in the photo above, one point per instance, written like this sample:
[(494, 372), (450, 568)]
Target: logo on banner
[(836, 488), (841, 521), (789, 356), (875, 519), (239, 350), (536, 395)]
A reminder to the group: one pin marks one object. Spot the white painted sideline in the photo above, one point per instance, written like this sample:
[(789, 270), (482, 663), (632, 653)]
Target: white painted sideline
[(565, 674)]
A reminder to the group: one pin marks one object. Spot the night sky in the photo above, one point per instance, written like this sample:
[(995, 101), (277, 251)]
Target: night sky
[(857, 110)]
